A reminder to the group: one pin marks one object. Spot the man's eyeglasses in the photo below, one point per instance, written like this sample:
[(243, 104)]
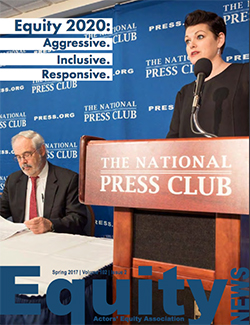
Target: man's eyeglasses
[(25, 155)]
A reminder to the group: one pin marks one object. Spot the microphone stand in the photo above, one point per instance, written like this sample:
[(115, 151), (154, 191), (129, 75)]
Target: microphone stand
[(194, 119)]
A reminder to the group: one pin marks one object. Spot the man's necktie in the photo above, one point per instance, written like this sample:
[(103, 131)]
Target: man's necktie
[(33, 205)]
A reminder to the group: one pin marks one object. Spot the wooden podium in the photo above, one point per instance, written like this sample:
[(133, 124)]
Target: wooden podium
[(205, 176)]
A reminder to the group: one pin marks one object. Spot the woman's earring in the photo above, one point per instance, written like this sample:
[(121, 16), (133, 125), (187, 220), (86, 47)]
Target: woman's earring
[(218, 51)]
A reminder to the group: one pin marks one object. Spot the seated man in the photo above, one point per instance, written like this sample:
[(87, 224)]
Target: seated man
[(42, 195)]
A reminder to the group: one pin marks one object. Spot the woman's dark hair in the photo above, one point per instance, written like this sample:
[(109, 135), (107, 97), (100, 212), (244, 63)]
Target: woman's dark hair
[(216, 23)]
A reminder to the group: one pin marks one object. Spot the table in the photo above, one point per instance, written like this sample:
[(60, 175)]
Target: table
[(63, 256)]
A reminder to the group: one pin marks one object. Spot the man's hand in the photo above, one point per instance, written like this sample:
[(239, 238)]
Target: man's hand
[(39, 225)]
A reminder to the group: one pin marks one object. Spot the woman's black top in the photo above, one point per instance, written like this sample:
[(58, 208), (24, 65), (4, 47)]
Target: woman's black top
[(224, 109)]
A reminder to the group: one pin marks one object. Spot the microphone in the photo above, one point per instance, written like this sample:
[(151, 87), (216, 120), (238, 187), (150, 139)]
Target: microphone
[(202, 70)]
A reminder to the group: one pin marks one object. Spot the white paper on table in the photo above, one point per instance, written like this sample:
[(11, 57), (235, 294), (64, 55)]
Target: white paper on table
[(9, 228)]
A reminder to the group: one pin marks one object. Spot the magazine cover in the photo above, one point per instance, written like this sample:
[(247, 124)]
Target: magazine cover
[(124, 162)]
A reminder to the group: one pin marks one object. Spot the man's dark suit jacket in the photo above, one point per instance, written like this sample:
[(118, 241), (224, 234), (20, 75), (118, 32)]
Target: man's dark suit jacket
[(61, 204)]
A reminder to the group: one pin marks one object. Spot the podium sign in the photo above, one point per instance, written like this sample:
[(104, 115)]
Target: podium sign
[(205, 175)]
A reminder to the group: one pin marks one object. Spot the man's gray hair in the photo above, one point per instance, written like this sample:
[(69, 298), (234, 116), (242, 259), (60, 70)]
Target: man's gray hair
[(37, 139)]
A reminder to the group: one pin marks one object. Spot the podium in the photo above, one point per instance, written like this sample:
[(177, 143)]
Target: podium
[(206, 180)]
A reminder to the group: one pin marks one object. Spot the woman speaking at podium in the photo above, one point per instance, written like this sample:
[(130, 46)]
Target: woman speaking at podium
[(224, 96)]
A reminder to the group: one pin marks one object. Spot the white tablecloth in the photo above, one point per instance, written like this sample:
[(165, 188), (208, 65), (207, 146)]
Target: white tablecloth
[(74, 255)]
